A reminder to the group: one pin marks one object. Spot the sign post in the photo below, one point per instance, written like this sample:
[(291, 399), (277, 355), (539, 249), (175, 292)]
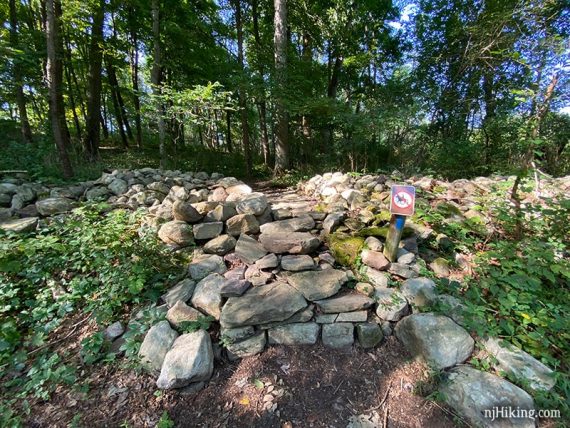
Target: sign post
[(402, 203)]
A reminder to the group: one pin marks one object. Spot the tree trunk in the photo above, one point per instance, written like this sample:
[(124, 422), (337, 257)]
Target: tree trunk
[(261, 104), (156, 78), (135, 80), (229, 131), (93, 137), (307, 57), (55, 77), (17, 75), (242, 95), (280, 42), (114, 85)]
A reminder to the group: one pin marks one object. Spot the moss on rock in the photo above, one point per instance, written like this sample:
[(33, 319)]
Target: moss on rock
[(345, 248)]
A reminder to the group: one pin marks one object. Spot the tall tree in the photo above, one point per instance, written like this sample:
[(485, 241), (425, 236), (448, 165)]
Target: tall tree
[(261, 103), (54, 72), (93, 135), (156, 77), (280, 43), (242, 94), (17, 75)]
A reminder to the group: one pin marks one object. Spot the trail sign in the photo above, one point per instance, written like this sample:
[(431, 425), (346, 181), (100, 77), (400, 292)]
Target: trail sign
[(403, 200)]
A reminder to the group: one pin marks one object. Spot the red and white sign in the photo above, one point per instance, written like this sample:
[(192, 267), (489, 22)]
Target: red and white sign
[(403, 200)]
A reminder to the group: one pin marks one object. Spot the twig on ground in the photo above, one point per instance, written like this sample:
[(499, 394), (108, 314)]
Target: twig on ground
[(383, 399), (68, 335), (338, 386), (385, 422)]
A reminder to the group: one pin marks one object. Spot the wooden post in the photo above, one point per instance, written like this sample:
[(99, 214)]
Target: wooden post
[(394, 235)]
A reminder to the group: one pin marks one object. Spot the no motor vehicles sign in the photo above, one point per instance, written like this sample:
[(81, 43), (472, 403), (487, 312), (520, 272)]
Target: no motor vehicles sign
[(403, 200)]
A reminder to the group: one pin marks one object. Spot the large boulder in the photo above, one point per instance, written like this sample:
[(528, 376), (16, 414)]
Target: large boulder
[(221, 245), (289, 242), (297, 263), (156, 344), (419, 291), (176, 233), (118, 186), (184, 211), (208, 230), (190, 360), (19, 225), (254, 203), (435, 338), (261, 305), (207, 295), (317, 285), (51, 206), (181, 313), (302, 223), (519, 364), (479, 397)]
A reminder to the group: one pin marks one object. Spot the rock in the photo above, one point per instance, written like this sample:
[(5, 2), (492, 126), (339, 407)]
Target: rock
[(345, 248), (356, 316), (419, 291), (365, 288), (392, 305), (338, 335), (20, 225), (303, 316), (332, 221), (373, 244), (317, 285), (265, 217), (5, 199), (519, 364), (327, 258), (375, 277), (236, 273), (156, 344), (8, 188), (238, 188), (97, 194), (289, 242), (270, 261), (294, 334), (406, 259), (297, 263), (255, 203), (302, 223), (184, 211), (222, 212), (369, 335), (475, 394), (51, 206), (435, 338), (440, 267), (118, 186), (219, 194), (159, 187), (232, 335), (180, 292), (270, 303), (207, 296), (346, 303), (248, 347), (221, 245), (114, 331), (242, 224), (180, 313), (176, 233), (208, 230), (234, 287), (190, 360), (452, 307), (403, 271), (204, 265), (249, 250), (257, 276), (375, 259)]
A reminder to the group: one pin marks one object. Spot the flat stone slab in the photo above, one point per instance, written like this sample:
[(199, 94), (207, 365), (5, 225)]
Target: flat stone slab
[(519, 364), (473, 393), (338, 335), (181, 291), (317, 285), (248, 347), (297, 263), (269, 303), (435, 338), (392, 305), (356, 316), (302, 223), (207, 295), (249, 250), (270, 261), (294, 334), (346, 303), (220, 245), (289, 242), (181, 313), (375, 259), (20, 225), (375, 277), (202, 266), (208, 230), (190, 360)]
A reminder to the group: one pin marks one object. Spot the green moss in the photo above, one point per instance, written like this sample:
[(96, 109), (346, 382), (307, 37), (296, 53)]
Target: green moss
[(320, 208), (382, 218), (448, 210), (345, 248)]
